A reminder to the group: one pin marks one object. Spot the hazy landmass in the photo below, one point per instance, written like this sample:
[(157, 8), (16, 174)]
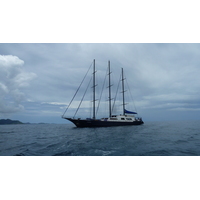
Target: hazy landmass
[(9, 121)]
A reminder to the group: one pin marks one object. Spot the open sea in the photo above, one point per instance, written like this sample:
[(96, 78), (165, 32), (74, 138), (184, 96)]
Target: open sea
[(177, 138)]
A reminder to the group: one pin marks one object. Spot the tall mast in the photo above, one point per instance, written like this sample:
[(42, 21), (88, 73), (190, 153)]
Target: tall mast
[(94, 89), (109, 98), (123, 91)]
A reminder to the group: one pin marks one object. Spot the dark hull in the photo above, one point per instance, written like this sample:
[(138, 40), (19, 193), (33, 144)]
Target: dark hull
[(99, 123)]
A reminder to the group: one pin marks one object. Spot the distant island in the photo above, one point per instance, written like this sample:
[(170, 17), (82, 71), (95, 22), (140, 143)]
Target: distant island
[(9, 121)]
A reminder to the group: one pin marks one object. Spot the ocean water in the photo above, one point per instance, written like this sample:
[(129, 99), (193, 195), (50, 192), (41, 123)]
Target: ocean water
[(177, 138)]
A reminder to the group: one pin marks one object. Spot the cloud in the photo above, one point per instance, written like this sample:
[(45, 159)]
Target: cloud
[(13, 79)]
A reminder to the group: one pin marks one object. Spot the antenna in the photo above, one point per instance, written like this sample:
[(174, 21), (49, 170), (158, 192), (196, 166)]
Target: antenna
[(94, 90), (123, 91), (110, 113)]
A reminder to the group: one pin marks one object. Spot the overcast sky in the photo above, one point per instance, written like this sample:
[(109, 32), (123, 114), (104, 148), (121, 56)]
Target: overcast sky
[(37, 81)]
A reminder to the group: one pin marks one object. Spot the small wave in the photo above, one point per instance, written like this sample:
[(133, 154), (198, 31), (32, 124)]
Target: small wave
[(21, 146), (6, 132), (19, 154), (52, 145), (189, 153), (180, 141), (65, 153), (103, 152), (157, 153)]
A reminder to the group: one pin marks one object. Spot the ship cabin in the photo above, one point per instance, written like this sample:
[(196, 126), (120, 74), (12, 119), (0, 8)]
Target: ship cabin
[(121, 118)]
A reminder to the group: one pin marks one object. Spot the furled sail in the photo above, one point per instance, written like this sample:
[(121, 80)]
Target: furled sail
[(129, 112)]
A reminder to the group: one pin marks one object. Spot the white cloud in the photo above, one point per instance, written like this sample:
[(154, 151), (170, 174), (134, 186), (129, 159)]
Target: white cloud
[(185, 109), (10, 61), (13, 79), (54, 103)]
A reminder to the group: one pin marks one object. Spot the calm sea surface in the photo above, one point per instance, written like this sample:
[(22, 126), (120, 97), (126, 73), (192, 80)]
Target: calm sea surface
[(178, 138)]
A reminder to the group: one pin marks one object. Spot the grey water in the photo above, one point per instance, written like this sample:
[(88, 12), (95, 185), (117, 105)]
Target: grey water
[(176, 138)]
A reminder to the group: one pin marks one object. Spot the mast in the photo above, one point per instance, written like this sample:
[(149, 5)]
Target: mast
[(94, 89), (109, 97), (123, 104)]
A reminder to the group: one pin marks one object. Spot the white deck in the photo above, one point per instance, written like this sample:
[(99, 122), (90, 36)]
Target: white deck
[(120, 118)]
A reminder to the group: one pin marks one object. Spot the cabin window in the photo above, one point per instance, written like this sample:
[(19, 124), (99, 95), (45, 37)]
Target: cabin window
[(112, 118), (122, 118), (128, 118)]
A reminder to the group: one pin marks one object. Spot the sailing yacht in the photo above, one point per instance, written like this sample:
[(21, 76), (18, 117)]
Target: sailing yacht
[(127, 118)]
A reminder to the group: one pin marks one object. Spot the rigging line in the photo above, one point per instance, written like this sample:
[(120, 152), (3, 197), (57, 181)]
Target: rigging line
[(77, 90), (101, 93), (116, 93), (82, 98), (131, 96)]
